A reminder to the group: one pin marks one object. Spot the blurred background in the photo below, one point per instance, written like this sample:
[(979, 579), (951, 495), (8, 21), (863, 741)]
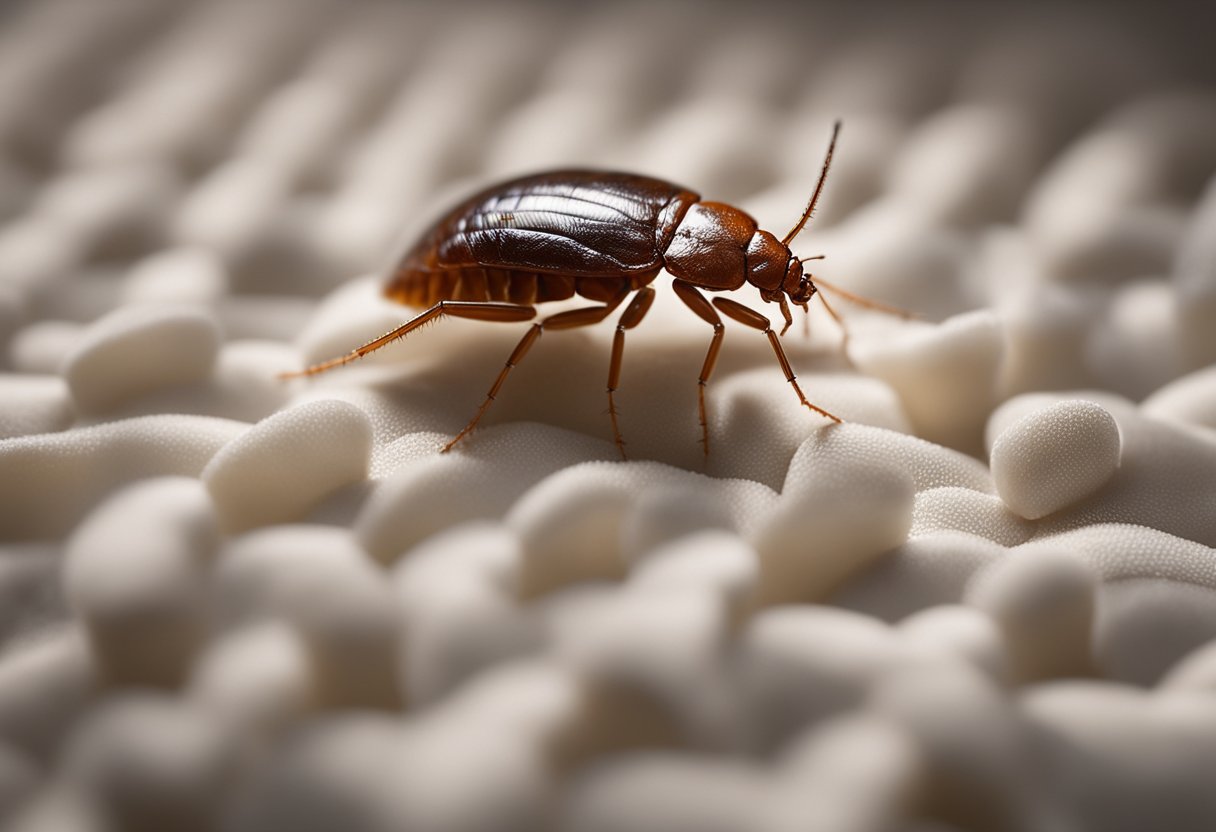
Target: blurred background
[(281, 147)]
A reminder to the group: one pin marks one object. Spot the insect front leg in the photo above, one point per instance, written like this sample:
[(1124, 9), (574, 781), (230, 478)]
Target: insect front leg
[(785, 314), (696, 301), (755, 320)]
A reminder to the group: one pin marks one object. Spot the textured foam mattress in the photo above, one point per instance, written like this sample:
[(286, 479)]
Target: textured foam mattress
[(986, 601)]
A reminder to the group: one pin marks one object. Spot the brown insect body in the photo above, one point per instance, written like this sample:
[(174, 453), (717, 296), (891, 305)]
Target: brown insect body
[(543, 238), (549, 236), (601, 236)]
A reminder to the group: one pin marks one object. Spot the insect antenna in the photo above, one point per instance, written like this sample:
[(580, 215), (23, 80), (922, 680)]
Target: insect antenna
[(878, 306), (823, 175), (844, 294), (806, 319)]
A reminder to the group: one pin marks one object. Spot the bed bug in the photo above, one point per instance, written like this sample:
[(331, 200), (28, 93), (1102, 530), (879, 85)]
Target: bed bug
[(602, 236)]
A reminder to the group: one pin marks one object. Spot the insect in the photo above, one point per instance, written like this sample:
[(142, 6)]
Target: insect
[(602, 236)]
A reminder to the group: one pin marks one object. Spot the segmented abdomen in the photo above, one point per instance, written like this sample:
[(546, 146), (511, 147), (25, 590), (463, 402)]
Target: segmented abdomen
[(424, 287)]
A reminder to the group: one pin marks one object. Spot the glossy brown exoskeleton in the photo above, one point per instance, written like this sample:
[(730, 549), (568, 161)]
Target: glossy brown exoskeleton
[(602, 236)]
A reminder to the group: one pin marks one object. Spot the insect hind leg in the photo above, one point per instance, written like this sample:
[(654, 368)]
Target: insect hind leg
[(562, 320), (502, 312)]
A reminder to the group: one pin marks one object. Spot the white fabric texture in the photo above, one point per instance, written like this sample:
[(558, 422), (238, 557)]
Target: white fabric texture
[(986, 600)]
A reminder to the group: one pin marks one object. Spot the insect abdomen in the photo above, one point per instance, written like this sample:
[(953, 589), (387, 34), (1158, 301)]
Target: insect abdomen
[(422, 288), (556, 230)]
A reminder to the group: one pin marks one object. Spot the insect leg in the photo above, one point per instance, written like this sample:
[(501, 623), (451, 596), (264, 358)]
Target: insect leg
[(785, 313), (696, 301), (562, 320), (508, 312), (631, 317), (755, 320)]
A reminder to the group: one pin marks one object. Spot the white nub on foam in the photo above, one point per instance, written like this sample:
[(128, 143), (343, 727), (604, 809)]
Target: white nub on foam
[(648, 665), (1189, 400), (31, 404), (442, 490), (49, 481), (136, 350), (1144, 757), (134, 575), (1196, 672), (1054, 457), (969, 740), (286, 463), (45, 685), (801, 663), (569, 535), (146, 761), (1043, 602), (965, 510), (318, 580), (943, 374), (569, 524), (256, 679), (711, 561), (178, 275), (832, 520), (460, 618), (669, 792), (42, 347), (852, 772), (115, 209), (955, 631)]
